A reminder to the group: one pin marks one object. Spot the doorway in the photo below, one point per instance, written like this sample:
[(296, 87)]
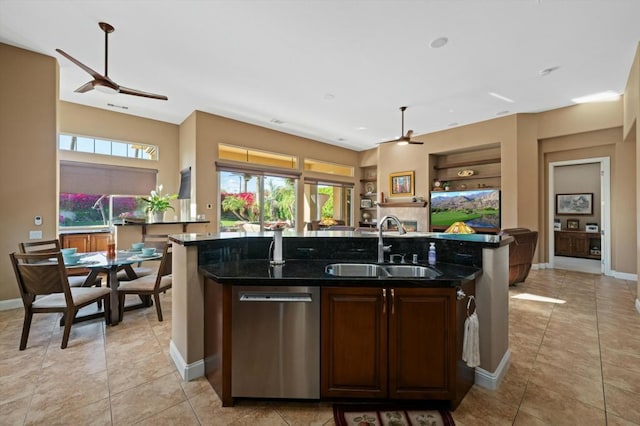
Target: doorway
[(578, 264)]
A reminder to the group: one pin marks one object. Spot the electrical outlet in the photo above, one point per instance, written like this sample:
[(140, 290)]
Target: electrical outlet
[(209, 206), (35, 235)]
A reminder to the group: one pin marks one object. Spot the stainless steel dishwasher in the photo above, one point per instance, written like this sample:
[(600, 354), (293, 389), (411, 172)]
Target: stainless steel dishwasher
[(275, 342)]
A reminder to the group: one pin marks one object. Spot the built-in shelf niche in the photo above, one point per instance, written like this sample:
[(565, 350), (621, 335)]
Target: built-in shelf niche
[(485, 162)]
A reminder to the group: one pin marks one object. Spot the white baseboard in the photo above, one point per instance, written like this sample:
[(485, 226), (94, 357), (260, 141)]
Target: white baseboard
[(5, 305), (638, 305), (538, 266), (187, 371), (625, 276), (489, 380)]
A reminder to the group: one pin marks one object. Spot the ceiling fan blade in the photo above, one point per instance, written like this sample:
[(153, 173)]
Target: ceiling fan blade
[(128, 91), (91, 72), (415, 143), (85, 87)]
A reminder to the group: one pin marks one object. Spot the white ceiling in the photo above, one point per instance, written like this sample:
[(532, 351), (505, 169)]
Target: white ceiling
[(336, 71)]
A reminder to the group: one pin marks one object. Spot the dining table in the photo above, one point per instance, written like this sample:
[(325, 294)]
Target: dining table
[(98, 263)]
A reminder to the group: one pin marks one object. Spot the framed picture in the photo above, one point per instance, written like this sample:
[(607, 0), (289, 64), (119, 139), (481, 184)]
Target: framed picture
[(366, 203), (401, 184), (574, 204), (557, 226), (573, 224)]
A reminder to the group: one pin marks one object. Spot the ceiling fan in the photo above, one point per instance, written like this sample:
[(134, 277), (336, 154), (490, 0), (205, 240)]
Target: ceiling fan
[(103, 83), (405, 139)]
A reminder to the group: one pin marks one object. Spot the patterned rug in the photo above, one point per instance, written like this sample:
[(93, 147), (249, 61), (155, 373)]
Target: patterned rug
[(389, 415)]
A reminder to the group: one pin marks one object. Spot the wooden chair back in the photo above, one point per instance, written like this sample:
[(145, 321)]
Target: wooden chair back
[(44, 246), (165, 263), (38, 275), (155, 240)]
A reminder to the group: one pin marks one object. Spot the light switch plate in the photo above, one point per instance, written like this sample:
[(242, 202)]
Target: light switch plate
[(35, 235)]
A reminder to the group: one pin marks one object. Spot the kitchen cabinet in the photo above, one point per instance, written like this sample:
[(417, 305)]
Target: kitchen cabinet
[(86, 242), (578, 244), (394, 343)]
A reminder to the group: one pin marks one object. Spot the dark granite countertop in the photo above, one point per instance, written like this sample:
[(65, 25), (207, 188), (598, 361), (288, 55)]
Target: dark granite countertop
[(312, 273)]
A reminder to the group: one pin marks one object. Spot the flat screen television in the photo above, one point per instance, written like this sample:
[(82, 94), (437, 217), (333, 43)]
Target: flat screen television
[(478, 208)]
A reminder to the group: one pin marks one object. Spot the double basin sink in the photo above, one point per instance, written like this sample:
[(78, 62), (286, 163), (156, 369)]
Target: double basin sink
[(372, 270)]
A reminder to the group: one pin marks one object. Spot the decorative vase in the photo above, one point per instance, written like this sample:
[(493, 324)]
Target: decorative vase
[(158, 216)]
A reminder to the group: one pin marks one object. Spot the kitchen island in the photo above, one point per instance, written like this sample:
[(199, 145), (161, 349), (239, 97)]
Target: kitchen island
[(206, 267)]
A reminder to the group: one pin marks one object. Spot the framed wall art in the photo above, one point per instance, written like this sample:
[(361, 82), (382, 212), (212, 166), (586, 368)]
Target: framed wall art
[(402, 184), (574, 204), (573, 224)]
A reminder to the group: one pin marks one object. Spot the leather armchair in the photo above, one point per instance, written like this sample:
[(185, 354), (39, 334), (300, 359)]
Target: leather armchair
[(521, 252)]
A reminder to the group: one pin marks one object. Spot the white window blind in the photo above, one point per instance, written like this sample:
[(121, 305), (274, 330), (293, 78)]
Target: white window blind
[(89, 178)]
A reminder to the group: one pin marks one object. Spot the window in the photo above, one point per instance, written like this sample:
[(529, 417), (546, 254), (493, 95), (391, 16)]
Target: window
[(255, 201), (100, 195), (107, 147), (264, 158), (327, 200), (330, 168), (87, 210)]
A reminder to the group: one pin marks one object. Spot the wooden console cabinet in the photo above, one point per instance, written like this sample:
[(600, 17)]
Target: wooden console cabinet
[(92, 241), (578, 244)]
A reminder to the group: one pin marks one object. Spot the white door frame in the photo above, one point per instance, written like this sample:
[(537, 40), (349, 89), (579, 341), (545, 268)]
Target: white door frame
[(605, 208)]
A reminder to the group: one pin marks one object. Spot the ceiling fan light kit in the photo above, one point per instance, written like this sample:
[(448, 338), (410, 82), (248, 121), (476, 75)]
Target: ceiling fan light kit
[(102, 83), (405, 139)]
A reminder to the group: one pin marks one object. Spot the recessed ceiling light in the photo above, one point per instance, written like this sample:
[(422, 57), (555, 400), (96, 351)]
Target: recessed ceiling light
[(276, 121), (502, 98), (453, 124), (361, 128), (329, 97), (547, 71), (438, 42), (341, 139), (608, 96), (502, 112)]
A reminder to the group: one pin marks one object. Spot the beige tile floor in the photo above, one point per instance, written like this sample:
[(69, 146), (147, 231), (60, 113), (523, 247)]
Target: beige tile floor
[(573, 363)]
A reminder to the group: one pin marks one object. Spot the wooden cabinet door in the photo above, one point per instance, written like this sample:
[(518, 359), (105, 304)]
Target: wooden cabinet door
[(354, 343), (79, 241), (563, 244), (421, 346), (99, 241), (580, 245)]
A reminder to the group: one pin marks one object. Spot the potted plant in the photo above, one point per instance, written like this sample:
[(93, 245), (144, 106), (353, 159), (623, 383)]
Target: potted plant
[(157, 204)]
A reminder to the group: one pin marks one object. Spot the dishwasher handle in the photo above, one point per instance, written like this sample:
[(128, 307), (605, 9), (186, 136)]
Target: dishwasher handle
[(274, 297)]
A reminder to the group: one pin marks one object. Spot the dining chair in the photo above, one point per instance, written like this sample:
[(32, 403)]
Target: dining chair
[(150, 285), (158, 241), (53, 246), (38, 275)]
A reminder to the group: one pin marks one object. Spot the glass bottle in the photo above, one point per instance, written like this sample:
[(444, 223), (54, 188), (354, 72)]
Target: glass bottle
[(111, 246)]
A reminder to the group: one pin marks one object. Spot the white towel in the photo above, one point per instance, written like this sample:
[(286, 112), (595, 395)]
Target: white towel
[(471, 344)]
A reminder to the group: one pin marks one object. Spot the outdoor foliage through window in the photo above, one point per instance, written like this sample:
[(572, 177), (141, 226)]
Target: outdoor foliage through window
[(96, 209), (248, 201)]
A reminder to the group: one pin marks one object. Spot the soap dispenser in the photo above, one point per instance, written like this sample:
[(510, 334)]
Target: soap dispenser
[(432, 254)]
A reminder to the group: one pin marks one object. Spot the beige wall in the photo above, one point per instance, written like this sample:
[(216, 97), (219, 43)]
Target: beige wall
[(96, 122), (632, 137), (28, 169), (212, 130)]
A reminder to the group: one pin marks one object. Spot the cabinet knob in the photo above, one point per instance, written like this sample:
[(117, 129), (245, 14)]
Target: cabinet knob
[(460, 294)]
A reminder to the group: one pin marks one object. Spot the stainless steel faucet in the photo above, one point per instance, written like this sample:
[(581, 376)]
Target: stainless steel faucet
[(381, 247)]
